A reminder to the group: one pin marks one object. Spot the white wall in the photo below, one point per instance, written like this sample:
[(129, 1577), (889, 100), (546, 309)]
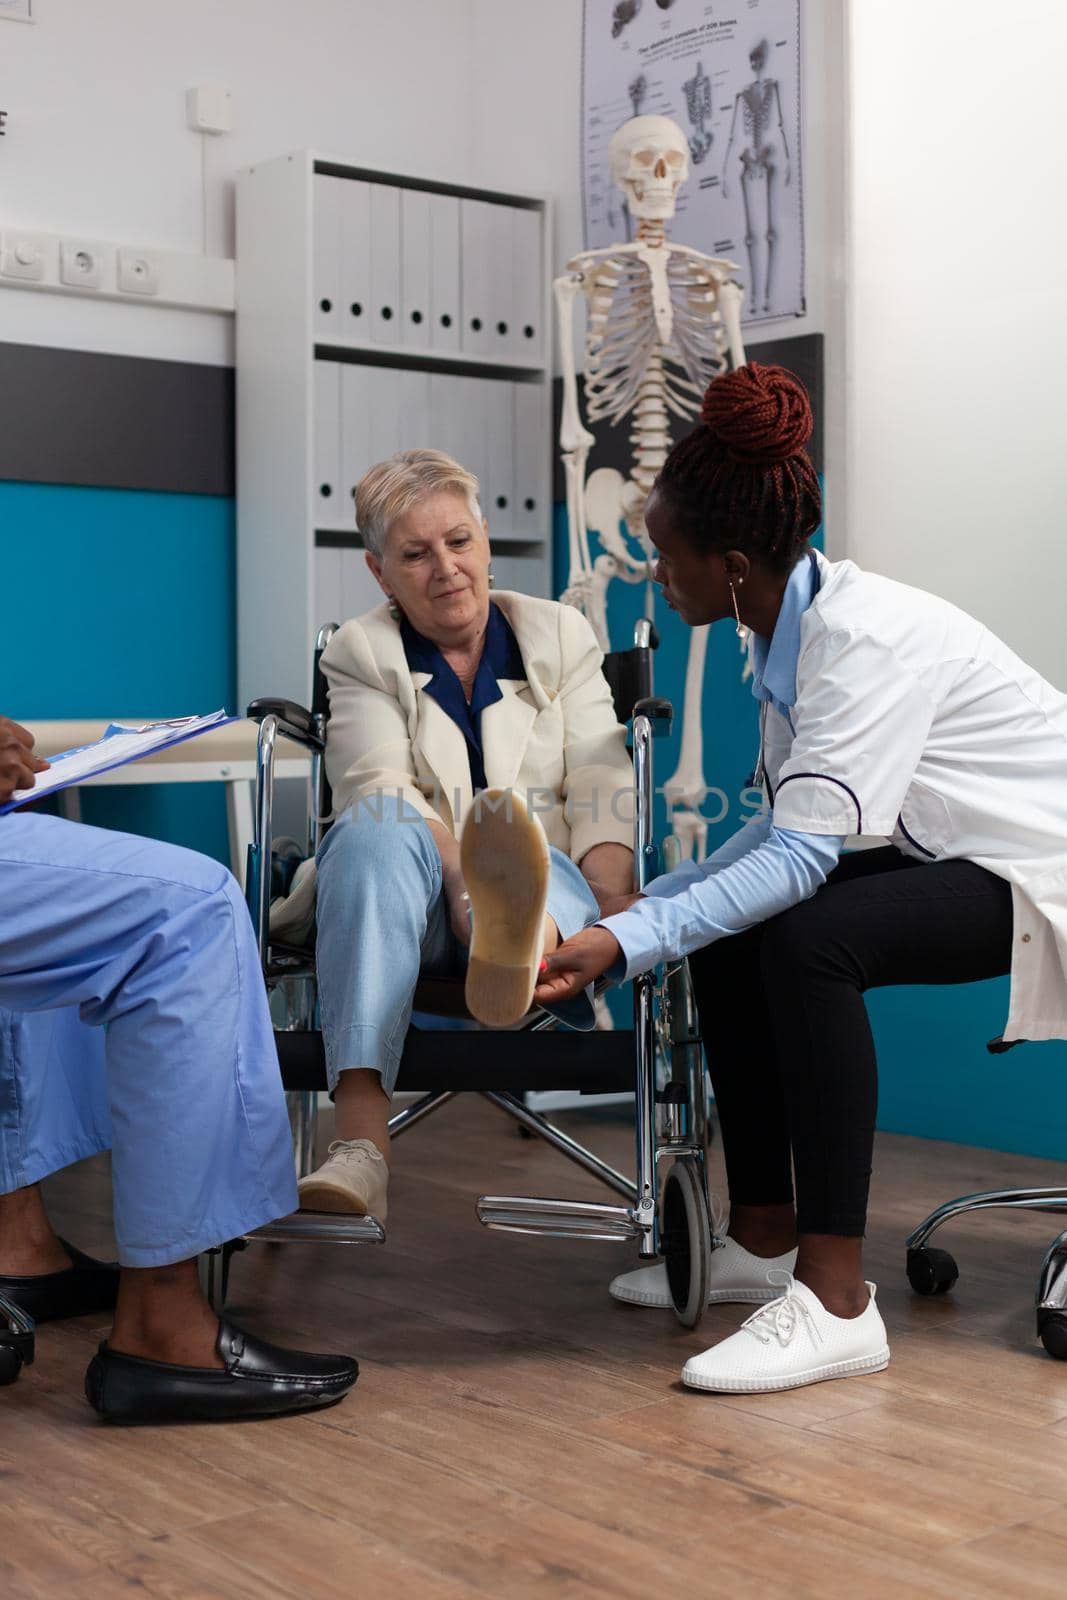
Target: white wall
[(478, 91), (957, 406)]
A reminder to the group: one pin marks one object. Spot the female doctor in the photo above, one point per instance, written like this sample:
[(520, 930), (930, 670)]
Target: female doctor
[(883, 711)]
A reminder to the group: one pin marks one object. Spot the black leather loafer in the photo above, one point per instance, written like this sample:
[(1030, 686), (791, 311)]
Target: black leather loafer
[(258, 1380), (83, 1287)]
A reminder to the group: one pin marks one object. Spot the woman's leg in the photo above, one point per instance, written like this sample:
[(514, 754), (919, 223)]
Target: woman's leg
[(939, 923), (380, 919)]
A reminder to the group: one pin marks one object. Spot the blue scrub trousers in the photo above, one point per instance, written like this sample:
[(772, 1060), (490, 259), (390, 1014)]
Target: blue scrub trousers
[(383, 919), (133, 1017)]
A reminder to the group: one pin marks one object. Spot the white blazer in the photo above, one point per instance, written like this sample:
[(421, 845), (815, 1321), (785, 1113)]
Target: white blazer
[(913, 721), (555, 739)]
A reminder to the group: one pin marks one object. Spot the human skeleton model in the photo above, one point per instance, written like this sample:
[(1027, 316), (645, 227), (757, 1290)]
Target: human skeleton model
[(760, 107), (698, 105), (660, 321)]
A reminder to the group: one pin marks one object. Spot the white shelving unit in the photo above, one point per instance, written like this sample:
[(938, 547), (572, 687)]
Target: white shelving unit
[(377, 312)]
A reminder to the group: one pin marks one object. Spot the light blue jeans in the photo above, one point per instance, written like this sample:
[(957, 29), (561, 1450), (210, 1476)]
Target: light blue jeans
[(133, 1017), (383, 920)]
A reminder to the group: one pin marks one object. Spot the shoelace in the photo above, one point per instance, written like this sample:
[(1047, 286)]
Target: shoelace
[(350, 1149), (781, 1318)]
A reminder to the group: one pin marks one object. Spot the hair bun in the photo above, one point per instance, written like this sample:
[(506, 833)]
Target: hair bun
[(761, 414)]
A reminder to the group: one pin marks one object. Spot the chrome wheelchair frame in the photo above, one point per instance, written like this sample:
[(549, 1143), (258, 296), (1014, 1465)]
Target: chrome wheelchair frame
[(671, 1109)]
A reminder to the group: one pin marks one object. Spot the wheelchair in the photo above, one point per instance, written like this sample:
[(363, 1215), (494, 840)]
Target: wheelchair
[(660, 1058)]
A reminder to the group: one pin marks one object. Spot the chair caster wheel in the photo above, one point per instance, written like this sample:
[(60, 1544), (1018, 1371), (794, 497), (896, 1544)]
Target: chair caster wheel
[(931, 1271), (1052, 1331), (10, 1364), (685, 1240)]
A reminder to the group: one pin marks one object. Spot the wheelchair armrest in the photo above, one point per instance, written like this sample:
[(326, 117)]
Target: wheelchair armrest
[(296, 722), (659, 712)]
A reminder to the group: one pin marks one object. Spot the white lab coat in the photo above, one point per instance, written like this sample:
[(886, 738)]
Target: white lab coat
[(914, 722)]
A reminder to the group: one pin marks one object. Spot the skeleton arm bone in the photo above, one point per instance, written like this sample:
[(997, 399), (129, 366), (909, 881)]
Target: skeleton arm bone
[(729, 146), (781, 130), (575, 441), (730, 299)]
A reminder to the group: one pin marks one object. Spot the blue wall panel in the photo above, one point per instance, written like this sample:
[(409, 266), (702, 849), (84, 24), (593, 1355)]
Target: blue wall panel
[(122, 603)]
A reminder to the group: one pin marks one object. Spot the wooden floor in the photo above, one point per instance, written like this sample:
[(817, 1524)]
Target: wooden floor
[(515, 1433)]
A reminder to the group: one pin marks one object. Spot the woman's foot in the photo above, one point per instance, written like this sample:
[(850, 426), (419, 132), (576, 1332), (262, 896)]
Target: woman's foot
[(354, 1180), (790, 1342), (735, 1277), (506, 862)]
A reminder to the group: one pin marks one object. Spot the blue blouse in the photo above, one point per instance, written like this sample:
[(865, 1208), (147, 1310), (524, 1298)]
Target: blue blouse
[(501, 658)]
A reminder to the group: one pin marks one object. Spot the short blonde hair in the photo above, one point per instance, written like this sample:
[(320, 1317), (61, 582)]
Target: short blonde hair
[(394, 486)]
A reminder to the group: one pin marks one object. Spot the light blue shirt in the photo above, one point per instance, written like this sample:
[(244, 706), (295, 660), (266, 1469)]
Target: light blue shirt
[(761, 870)]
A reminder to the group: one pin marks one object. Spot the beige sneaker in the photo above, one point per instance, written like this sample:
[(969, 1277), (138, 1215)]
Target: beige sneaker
[(353, 1179), (505, 859)]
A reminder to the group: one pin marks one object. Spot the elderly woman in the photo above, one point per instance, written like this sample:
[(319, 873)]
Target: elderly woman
[(436, 696)]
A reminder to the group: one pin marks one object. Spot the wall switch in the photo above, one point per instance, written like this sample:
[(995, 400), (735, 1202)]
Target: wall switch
[(138, 272), (209, 109), (79, 264), (23, 255)]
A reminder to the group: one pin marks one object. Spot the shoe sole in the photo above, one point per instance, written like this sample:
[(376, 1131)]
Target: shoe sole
[(717, 1297), (324, 1197), (505, 861), (838, 1369)]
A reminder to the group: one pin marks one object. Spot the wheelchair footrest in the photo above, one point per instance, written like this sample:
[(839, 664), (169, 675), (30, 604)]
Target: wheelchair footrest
[(320, 1227), (561, 1219)]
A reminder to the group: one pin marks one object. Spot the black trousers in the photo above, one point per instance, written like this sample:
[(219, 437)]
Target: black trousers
[(786, 1032)]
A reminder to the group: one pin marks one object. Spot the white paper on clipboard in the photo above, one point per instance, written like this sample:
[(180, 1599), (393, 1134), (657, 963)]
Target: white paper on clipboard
[(119, 745)]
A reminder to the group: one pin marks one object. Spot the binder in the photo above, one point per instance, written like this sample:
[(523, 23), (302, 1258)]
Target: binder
[(532, 512), (472, 423), (444, 431), (499, 504), (415, 257), (501, 280), (385, 263), (445, 309), (413, 427), (326, 421), (383, 396), (355, 259), (528, 278), (475, 237), (355, 436), (326, 202)]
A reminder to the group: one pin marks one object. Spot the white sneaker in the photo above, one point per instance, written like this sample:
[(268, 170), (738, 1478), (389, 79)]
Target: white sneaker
[(736, 1276), (353, 1179), (792, 1341)]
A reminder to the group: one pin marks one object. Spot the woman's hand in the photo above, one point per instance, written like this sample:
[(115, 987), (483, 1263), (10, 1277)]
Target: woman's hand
[(18, 764), (577, 962)]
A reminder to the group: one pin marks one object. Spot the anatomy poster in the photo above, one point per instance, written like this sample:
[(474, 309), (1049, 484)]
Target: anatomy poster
[(728, 73)]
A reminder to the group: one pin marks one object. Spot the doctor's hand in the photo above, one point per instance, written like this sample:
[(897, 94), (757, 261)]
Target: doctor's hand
[(18, 764), (577, 962)]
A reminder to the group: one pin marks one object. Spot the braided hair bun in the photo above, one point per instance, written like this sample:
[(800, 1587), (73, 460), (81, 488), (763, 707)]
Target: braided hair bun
[(761, 414), (743, 479)]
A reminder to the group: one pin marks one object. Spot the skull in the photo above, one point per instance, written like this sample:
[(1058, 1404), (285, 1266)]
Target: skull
[(649, 160)]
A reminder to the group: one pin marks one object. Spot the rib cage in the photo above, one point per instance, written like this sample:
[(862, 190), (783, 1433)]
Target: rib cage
[(622, 339)]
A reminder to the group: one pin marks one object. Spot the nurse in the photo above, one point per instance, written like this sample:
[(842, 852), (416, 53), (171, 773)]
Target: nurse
[(883, 711)]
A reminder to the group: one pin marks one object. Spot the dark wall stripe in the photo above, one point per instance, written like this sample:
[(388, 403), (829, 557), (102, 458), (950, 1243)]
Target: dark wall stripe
[(802, 354), (121, 422)]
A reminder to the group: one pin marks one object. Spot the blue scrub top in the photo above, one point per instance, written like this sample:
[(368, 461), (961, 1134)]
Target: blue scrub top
[(501, 658)]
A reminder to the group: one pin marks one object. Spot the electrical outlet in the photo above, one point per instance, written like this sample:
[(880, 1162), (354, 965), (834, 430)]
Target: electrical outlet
[(79, 264), (138, 272), (22, 255)]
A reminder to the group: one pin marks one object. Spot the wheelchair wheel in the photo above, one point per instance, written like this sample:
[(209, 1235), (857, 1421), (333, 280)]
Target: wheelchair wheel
[(685, 1236)]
